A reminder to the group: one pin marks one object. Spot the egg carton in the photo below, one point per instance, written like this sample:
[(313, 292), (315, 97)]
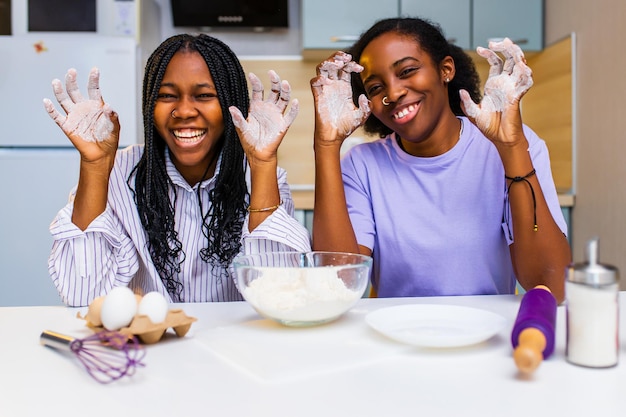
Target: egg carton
[(147, 332)]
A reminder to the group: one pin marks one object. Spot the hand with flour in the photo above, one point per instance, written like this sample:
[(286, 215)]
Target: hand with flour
[(336, 116), (262, 132), (498, 115), (90, 124), (94, 129)]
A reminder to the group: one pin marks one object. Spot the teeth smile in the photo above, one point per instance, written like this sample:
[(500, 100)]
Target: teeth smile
[(404, 112), (189, 136)]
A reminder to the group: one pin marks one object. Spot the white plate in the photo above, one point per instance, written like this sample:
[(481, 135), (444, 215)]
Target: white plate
[(432, 325)]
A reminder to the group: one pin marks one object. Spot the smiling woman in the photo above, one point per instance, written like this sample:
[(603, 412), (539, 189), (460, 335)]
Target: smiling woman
[(188, 116), (456, 197), (169, 216)]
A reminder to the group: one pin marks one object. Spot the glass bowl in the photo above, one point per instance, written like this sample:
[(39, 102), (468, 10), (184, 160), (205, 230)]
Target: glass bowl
[(302, 288)]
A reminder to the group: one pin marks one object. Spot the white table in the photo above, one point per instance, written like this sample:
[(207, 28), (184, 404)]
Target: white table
[(341, 369)]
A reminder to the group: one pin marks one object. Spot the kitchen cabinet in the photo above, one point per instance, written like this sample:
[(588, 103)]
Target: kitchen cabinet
[(333, 25), (452, 15), (328, 24), (520, 21), (336, 25)]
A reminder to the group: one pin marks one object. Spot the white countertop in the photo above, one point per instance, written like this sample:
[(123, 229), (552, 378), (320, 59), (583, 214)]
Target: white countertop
[(223, 367)]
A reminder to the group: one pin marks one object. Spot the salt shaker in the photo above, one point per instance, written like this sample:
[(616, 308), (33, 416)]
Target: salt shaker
[(592, 309)]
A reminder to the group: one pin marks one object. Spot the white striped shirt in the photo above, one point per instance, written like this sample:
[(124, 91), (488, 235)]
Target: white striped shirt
[(113, 250)]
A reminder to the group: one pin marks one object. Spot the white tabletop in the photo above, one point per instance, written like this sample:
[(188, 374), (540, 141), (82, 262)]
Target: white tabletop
[(233, 363)]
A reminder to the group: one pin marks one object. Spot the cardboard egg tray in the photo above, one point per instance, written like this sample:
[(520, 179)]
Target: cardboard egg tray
[(148, 332)]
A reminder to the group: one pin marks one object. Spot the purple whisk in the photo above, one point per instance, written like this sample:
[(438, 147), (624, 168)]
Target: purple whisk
[(106, 355)]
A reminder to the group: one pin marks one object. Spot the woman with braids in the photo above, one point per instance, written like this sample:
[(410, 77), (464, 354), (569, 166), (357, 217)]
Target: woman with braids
[(171, 214), (456, 197)]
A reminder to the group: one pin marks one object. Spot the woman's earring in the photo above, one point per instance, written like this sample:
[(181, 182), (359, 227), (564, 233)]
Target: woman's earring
[(447, 80), (385, 102)]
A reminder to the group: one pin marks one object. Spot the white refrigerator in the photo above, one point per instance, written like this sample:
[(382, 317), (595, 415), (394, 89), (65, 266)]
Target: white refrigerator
[(38, 164)]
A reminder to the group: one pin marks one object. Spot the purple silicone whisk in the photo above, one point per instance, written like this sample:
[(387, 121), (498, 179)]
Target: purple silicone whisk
[(106, 355)]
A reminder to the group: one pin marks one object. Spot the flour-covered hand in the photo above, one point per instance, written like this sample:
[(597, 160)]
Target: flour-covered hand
[(508, 81), (90, 120), (336, 115), (268, 120)]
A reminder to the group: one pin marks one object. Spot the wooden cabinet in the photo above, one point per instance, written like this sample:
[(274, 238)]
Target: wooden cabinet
[(520, 21), (334, 25)]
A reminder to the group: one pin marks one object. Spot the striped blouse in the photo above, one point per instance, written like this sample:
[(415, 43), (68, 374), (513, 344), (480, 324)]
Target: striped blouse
[(113, 250)]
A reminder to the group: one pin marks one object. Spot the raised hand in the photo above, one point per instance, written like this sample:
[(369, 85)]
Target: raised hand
[(498, 114), (267, 123), (90, 124), (336, 116)]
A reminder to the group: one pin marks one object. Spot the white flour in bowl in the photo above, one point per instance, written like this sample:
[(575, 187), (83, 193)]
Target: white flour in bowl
[(300, 294)]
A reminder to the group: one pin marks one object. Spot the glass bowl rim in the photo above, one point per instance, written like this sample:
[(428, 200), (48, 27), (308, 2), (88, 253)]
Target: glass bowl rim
[(365, 259)]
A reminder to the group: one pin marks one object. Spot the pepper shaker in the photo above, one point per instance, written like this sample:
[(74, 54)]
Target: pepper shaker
[(592, 310)]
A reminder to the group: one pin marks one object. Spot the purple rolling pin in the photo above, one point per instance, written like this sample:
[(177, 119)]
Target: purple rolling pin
[(533, 332)]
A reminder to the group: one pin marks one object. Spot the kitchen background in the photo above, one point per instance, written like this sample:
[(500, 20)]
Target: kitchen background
[(573, 46)]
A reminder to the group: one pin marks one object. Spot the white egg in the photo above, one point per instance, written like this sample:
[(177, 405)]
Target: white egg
[(118, 308), (155, 306)]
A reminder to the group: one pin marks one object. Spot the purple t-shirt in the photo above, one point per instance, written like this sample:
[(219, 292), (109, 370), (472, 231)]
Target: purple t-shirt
[(436, 225)]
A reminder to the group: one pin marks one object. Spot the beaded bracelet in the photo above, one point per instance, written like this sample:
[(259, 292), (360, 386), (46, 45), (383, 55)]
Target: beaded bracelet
[(532, 191), (261, 210)]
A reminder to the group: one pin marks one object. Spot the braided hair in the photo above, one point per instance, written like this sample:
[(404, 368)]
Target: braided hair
[(431, 39), (222, 223)]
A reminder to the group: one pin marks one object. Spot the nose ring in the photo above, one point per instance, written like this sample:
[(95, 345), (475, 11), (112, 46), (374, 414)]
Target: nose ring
[(173, 115), (385, 101)]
